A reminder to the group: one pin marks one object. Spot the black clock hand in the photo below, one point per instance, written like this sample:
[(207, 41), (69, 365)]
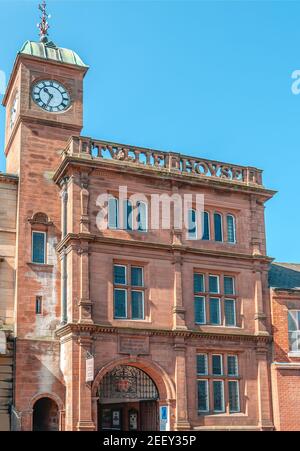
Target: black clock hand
[(50, 96)]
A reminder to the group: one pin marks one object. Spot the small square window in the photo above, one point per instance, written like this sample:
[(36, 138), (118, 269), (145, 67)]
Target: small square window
[(202, 369), (119, 275), (229, 285), (137, 279), (217, 365), (214, 285), (232, 365), (199, 283)]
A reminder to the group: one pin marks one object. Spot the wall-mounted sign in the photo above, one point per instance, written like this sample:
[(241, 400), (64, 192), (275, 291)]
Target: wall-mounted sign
[(164, 418), (89, 369)]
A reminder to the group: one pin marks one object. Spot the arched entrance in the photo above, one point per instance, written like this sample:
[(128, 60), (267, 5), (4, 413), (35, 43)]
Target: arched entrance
[(45, 415), (128, 400)]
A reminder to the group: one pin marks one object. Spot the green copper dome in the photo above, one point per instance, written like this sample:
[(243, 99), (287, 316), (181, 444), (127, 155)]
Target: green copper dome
[(49, 51)]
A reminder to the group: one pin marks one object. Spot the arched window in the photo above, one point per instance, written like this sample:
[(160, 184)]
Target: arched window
[(218, 227), (192, 225), (205, 226), (231, 232), (142, 216), (113, 213)]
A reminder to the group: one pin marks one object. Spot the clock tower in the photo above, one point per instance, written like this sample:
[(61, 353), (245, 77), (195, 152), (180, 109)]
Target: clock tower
[(44, 108)]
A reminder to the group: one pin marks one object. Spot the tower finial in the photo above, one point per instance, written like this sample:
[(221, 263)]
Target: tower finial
[(43, 25)]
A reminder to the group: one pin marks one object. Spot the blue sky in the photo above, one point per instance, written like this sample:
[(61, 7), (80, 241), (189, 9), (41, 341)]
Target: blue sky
[(206, 78)]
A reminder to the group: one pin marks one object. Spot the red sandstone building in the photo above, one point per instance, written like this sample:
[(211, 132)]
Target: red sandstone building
[(124, 329)]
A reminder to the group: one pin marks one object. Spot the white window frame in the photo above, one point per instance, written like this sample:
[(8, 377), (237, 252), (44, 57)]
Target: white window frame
[(220, 313), (294, 351), (209, 226), (143, 305), (203, 279), (218, 278), (45, 247), (222, 367), (234, 311), (146, 216), (233, 284), (207, 392), (238, 391), (206, 364), (122, 284), (237, 365), (222, 232), (126, 301), (223, 395), (193, 235), (204, 301), (234, 228), (116, 227), (140, 286)]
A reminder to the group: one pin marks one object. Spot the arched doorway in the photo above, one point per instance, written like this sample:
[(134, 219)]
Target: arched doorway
[(128, 400), (45, 415)]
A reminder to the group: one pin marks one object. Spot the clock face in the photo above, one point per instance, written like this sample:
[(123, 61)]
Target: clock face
[(51, 95), (13, 111)]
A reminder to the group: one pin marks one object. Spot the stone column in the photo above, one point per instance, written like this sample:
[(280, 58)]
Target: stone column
[(85, 419), (264, 389), (182, 422), (260, 315), (85, 304), (178, 308)]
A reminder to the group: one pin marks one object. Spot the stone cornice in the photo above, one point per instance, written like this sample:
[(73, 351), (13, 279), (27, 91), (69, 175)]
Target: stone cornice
[(125, 167), (82, 237), (72, 329)]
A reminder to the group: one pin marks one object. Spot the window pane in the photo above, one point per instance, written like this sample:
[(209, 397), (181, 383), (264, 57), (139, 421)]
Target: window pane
[(293, 320), (38, 247), (203, 396), (120, 303), (202, 364), (234, 398), (137, 304), (120, 275), (214, 311), (128, 215), (218, 227), (205, 226), (294, 341), (198, 283), (218, 392), (214, 284), (200, 317), (229, 310), (113, 213), (228, 285), (137, 276), (217, 369), (230, 229), (232, 365), (142, 225), (192, 229)]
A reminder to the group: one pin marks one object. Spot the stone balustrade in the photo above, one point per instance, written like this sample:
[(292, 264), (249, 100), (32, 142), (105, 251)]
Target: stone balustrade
[(164, 161)]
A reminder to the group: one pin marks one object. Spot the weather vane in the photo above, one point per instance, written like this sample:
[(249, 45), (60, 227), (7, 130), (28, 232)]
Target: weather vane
[(44, 25)]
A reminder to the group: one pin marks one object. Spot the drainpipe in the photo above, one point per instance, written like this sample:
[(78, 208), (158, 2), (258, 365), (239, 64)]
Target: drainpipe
[(64, 275)]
